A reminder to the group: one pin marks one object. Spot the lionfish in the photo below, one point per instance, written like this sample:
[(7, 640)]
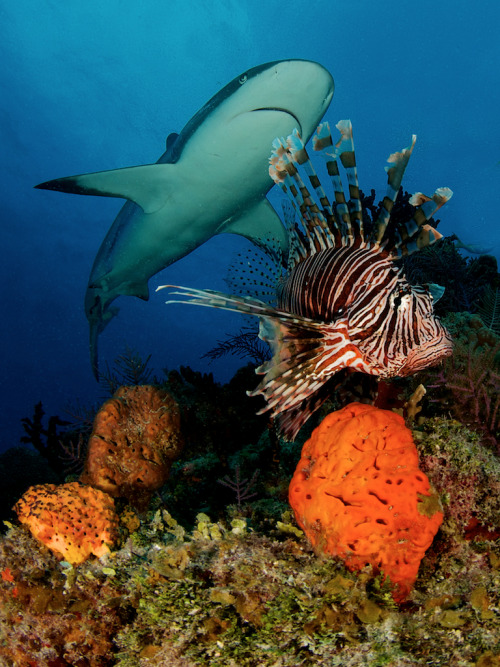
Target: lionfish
[(343, 304)]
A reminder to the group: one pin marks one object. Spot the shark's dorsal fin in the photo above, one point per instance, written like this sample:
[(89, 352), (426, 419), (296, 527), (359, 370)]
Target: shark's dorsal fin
[(147, 185), (261, 223)]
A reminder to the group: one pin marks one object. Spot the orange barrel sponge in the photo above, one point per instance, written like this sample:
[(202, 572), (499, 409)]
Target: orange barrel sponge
[(358, 494), (135, 438), (72, 520)]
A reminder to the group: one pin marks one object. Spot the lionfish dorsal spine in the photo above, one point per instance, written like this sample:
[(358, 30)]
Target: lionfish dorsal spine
[(345, 151), (398, 162), (323, 144), (300, 156), (416, 234), (283, 170)]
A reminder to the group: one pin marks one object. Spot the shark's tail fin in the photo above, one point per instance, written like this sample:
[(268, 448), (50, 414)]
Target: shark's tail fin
[(94, 332), (98, 319)]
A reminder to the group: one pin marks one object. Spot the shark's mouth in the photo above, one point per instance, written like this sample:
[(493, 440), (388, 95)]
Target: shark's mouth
[(287, 111)]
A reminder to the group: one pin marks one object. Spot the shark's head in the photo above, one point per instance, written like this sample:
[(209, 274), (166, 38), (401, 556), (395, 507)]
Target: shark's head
[(277, 95), (301, 88)]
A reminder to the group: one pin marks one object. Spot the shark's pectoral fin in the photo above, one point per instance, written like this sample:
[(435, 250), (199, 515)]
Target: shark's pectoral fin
[(260, 224), (149, 185)]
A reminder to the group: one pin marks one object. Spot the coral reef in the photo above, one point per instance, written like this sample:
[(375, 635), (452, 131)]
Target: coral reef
[(244, 588), (73, 520), (135, 438), (227, 596), (358, 493)]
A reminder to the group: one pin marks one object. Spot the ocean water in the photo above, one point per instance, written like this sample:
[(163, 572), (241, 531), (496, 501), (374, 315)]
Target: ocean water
[(89, 86)]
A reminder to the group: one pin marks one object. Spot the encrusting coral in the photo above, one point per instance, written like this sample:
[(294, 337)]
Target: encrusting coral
[(72, 520), (358, 494), (135, 438)]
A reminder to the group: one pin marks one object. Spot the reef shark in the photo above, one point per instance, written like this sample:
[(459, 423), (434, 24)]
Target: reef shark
[(213, 178)]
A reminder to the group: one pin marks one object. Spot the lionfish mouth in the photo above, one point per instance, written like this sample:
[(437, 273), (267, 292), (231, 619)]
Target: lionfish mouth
[(428, 354)]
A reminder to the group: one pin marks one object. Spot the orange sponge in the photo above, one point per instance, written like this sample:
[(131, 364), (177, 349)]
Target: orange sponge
[(136, 437), (72, 520), (358, 494)]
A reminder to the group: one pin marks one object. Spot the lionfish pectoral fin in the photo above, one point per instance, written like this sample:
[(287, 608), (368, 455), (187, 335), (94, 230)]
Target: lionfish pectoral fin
[(436, 291), (304, 358), (291, 421), (214, 299)]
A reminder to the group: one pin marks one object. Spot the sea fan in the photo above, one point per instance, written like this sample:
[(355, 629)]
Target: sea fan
[(489, 309), (245, 343), (128, 369)]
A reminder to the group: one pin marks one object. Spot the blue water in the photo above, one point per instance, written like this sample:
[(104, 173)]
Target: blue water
[(88, 86)]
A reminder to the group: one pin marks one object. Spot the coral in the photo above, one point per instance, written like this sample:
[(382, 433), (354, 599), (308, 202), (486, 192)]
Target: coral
[(245, 344), (189, 591), (128, 368), (464, 279), (358, 493), (238, 598), (240, 487), (465, 474), (72, 520), (489, 309), (135, 438), (54, 615), (73, 455), (44, 440), (468, 382)]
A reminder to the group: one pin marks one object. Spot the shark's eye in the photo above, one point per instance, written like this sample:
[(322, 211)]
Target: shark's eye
[(243, 78)]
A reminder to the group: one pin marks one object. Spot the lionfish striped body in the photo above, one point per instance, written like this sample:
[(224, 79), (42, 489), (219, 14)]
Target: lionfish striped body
[(343, 303)]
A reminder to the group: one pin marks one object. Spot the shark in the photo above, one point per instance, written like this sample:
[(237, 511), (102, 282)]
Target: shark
[(213, 178)]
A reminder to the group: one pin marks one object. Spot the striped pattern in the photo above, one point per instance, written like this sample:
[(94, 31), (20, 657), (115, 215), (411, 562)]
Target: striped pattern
[(344, 305)]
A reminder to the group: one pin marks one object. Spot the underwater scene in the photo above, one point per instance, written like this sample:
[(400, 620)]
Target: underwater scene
[(251, 373)]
